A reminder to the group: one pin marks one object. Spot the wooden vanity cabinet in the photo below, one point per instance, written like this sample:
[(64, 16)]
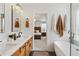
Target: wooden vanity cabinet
[(25, 49), (17, 53), (28, 46), (21, 51)]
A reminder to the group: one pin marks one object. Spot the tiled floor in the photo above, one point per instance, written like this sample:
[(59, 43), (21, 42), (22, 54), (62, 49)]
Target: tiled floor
[(40, 44), (42, 53)]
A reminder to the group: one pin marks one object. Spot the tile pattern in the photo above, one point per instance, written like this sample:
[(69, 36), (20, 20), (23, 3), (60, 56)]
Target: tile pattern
[(40, 44)]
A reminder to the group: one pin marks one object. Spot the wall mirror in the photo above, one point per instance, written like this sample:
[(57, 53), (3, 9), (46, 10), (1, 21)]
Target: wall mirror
[(2, 17), (16, 16)]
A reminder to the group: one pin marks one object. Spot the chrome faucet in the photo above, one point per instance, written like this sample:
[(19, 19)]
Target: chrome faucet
[(12, 36), (19, 34)]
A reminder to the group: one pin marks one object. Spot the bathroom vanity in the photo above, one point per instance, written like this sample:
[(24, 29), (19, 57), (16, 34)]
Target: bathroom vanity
[(14, 44), (21, 47), (25, 49)]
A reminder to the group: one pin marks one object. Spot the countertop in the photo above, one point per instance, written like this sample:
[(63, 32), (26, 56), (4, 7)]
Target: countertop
[(8, 48)]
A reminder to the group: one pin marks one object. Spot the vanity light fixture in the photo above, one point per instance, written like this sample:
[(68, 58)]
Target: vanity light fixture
[(18, 8)]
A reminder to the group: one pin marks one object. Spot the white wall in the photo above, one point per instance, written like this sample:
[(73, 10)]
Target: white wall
[(52, 10), (30, 10)]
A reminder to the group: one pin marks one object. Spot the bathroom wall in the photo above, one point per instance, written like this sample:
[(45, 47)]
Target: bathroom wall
[(53, 10), (4, 36), (29, 10)]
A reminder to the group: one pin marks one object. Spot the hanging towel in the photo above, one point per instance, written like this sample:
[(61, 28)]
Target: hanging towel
[(17, 23), (52, 23), (27, 23), (59, 26), (65, 22)]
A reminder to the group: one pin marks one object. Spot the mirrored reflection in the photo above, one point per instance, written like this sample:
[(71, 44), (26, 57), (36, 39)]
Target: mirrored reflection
[(17, 11), (2, 18)]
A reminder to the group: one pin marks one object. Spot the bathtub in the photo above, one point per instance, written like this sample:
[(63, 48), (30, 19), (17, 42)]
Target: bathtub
[(62, 48)]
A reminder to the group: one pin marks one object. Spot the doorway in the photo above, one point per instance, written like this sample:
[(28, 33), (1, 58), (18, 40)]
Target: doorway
[(40, 32)]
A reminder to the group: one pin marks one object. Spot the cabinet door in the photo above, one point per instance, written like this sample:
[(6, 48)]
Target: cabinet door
[(27, 49), (30, 45), (17, 53), (23, 50)]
